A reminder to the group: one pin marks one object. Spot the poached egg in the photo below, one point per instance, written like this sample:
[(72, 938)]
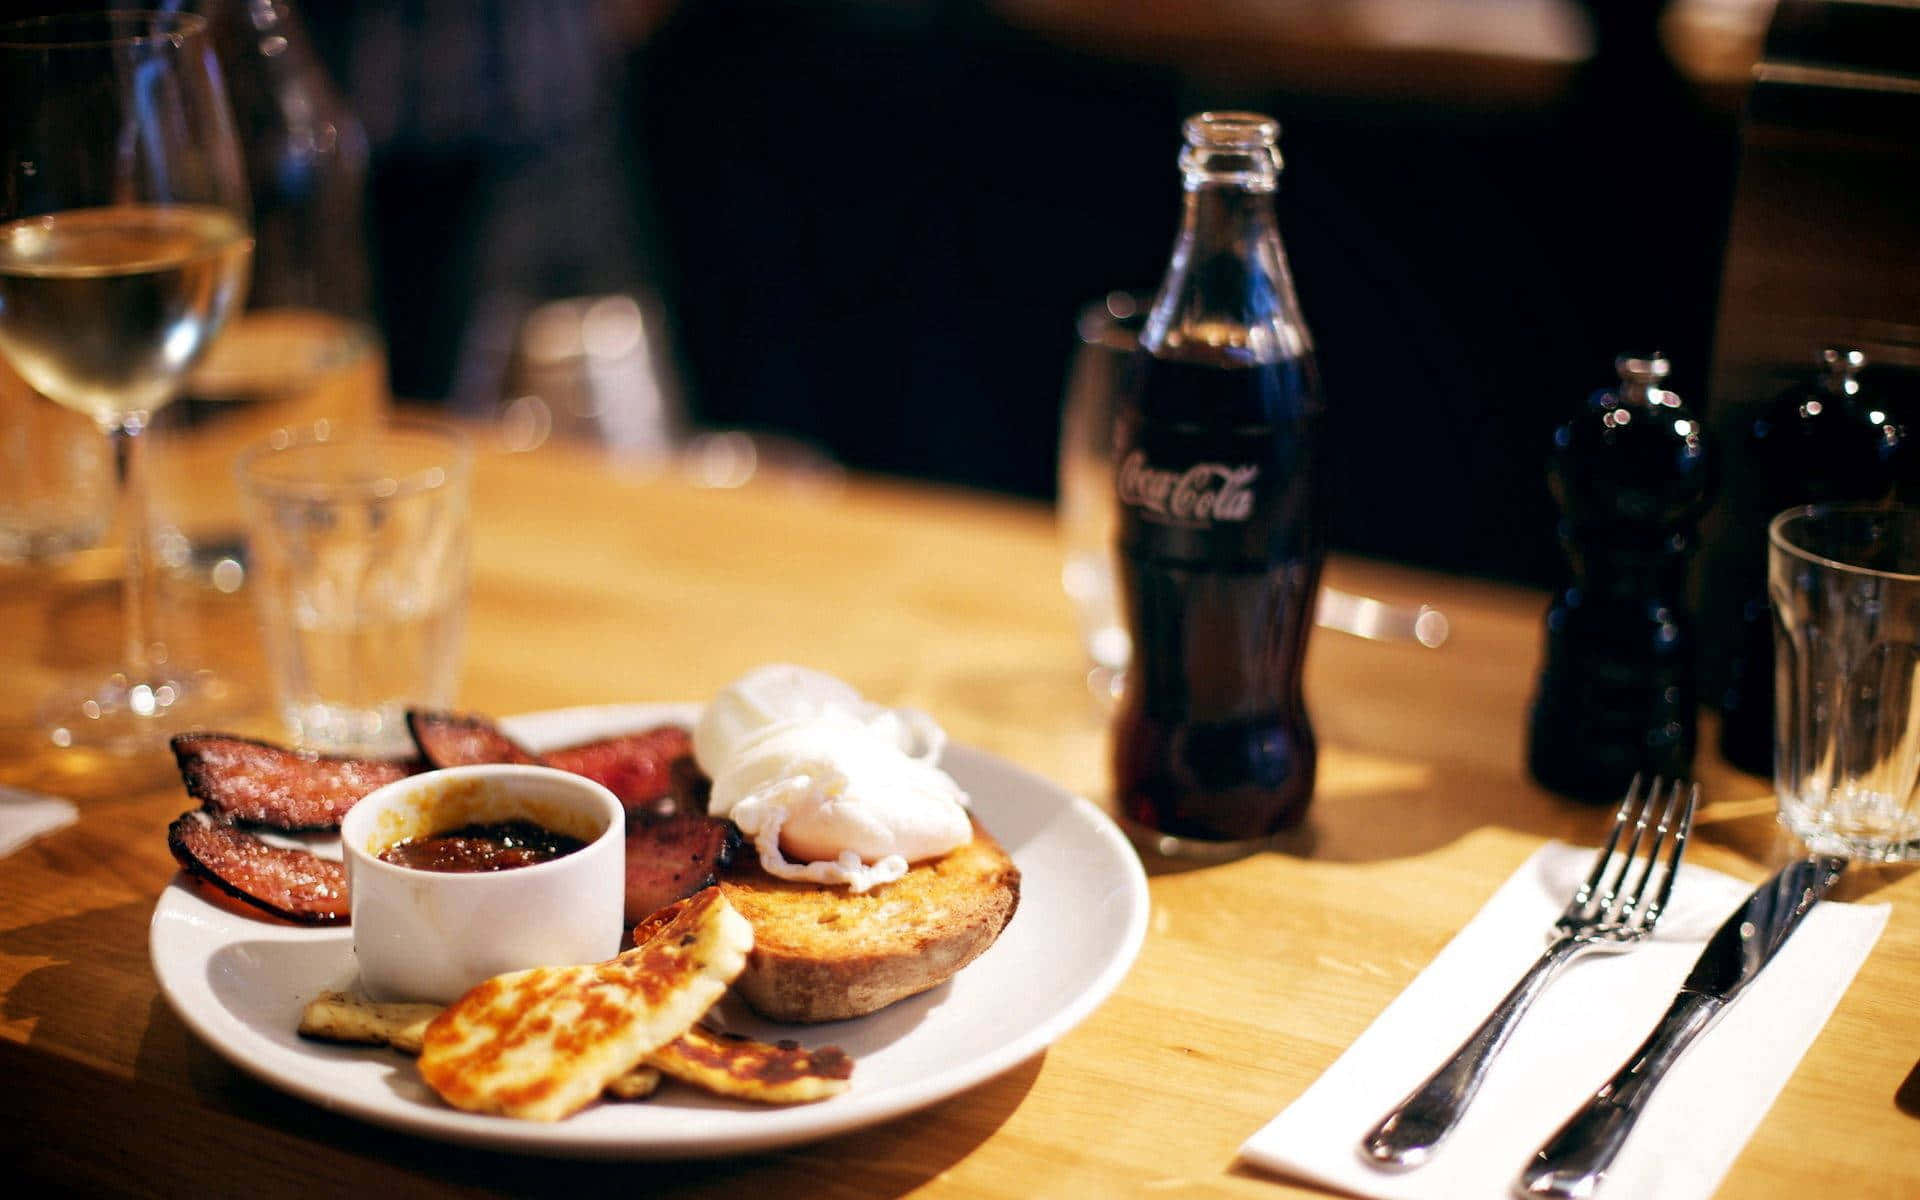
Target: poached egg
[(831, 787)]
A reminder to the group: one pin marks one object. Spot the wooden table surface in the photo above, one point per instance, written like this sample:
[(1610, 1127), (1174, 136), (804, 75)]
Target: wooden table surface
[(595, 583)]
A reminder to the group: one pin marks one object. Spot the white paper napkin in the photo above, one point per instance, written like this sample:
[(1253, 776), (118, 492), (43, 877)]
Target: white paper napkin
[(1578, 1033), (25, 816)]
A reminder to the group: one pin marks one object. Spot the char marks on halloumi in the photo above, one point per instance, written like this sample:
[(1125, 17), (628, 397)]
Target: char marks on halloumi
[(727, 1064), (542, 1043)]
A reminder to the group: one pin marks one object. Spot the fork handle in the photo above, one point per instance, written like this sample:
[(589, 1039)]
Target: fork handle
[(1407, 1136), (1574, 1160)]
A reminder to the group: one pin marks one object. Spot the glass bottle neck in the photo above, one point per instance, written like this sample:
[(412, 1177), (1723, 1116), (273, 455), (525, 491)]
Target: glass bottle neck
[(1228, 295), (1227, 219)]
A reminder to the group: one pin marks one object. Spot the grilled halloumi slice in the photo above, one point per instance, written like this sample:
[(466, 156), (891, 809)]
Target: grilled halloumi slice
[(356, 1020), (341, 1017), (725, 1064), (636, 1084), (777, 1073), (541, 1043)]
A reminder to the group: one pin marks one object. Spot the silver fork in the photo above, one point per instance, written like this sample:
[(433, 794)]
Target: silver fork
[(1613, 910)]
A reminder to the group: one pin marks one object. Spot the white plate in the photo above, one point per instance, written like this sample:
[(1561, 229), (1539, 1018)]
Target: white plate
[(240, 985)]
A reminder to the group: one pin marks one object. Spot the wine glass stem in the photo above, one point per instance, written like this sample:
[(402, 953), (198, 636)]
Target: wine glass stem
[(137, 576)]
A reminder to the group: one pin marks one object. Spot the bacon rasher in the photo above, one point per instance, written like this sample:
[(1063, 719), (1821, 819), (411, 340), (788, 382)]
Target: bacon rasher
[(673, 848), (463, 740), (674, 856), (294, 884), (637, 767), (258, 783)]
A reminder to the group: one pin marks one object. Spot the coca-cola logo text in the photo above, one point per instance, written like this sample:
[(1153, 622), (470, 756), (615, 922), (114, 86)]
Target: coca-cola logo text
[(1202, 493)]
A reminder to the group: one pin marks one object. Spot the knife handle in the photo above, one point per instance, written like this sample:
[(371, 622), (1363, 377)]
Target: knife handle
[(1574, 1160)]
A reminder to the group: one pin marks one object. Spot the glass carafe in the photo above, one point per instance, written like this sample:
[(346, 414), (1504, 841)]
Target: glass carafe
[(305, 349)]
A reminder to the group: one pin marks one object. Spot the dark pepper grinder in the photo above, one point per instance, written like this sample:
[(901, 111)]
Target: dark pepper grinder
[(1825, 439), (1618, 692)]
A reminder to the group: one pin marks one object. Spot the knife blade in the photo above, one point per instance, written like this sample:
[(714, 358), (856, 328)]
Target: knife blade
[(1572, 1163)]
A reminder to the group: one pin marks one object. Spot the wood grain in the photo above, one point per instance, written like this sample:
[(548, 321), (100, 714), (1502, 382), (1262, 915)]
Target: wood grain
[(598, 583)]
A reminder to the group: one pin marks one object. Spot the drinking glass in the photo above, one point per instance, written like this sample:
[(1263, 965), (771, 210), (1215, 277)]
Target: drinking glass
[(357, 541), (124, 244), (1844, 581), (1109, 331)]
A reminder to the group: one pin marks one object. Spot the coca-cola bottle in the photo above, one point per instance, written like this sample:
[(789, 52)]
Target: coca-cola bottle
[(1221, 489)]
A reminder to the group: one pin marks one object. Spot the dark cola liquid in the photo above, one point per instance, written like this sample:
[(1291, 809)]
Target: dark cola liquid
[(1221, 536)]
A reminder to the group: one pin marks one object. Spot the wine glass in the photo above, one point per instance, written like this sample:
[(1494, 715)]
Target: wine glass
[(124, 244)]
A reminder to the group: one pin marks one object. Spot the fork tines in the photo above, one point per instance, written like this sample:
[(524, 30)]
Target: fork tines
[(1606, 894)]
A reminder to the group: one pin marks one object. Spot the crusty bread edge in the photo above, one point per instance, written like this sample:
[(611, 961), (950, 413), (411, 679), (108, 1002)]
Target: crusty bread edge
[(796, 989)]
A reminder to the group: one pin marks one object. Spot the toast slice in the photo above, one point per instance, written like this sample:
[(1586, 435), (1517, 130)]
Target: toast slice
[(823, 953)]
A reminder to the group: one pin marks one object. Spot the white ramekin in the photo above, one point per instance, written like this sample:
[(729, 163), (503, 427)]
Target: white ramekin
[(432, 935)]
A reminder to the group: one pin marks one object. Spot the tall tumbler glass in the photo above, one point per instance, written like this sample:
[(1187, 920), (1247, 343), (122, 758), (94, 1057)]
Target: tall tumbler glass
[(1109, 332), (1844, 581), (358, 540)]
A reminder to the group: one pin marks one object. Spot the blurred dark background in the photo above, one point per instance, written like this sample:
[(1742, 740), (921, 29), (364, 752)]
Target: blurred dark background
[(876, 222), (870, 224)]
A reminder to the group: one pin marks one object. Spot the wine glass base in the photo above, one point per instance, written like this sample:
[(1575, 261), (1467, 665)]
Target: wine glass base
[(122, 716)]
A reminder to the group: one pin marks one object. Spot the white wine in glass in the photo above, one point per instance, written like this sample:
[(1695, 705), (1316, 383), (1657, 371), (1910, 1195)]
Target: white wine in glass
[(103, 309), (124, 246)]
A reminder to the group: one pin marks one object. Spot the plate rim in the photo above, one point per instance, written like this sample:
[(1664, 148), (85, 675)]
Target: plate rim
[(774, 1127)]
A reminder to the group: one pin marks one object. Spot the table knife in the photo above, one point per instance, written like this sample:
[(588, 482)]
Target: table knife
[(1571, 1164), (1379, 621)]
